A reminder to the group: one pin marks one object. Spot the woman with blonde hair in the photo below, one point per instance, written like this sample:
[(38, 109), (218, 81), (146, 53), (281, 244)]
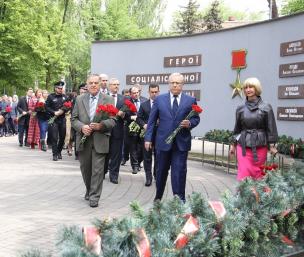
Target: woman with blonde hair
[(255, 131), (43, 118)]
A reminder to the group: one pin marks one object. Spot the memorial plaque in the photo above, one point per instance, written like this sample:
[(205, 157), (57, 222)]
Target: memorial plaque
[(194, 93), (292, 48), (146, 79), (291, 92), (291, 69), (183, 61), (290, 113)]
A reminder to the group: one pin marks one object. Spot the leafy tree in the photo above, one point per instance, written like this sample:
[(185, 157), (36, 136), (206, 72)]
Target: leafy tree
[(213, 20), (188, 20), (293, 6)]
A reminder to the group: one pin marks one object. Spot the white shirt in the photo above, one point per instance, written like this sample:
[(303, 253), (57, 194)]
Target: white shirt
[(177, 98), (115, 98), (93, 105)]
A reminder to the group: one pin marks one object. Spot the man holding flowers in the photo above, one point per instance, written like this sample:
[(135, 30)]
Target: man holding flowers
[(93, 129), (172, 111)]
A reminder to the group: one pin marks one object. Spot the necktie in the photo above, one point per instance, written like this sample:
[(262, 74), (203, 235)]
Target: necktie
[(174, 106), (137, 104), (114, 99), (92, 107)]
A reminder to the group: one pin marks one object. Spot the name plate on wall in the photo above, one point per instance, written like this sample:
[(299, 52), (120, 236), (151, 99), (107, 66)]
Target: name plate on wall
[(292, 48), (291, 69), (183, 61), (291, 92), (290, 113), (146, 79), (194, 93)]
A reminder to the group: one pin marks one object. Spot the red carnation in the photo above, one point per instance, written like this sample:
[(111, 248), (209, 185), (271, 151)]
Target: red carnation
[(40, 104), (262, 167), (286, 240), (67, 104), (111, 109), (131, 106), (196, 108), (274, 166), (101, 108), (8, 109)]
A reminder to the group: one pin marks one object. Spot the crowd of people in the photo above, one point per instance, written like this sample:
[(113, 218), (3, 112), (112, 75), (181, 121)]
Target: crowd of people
[(58, 121)]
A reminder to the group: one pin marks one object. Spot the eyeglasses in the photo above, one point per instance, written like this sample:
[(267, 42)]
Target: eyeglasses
[(93, 82)]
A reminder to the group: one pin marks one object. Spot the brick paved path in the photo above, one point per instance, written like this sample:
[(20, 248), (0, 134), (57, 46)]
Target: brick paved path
[(38, 195)]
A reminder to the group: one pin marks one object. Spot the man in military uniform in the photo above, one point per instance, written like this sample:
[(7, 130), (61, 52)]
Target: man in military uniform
[(57, 130)]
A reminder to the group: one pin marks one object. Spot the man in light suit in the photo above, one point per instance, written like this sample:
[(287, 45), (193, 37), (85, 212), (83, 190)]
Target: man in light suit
[(93, 151), (171, 109)]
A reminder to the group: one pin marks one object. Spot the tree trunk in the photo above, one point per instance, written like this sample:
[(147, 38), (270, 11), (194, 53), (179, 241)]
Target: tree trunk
[(47, 77), (66, 5), (274, 9)]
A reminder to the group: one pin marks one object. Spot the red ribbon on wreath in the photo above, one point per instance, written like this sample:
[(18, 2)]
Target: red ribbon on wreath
[(190, 228), (142, 243), (218, 209), (92, 239)]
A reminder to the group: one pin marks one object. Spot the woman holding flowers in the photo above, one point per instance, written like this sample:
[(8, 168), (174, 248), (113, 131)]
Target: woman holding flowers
[(255, 130), (171, 111), (42, 117), (33, 137)]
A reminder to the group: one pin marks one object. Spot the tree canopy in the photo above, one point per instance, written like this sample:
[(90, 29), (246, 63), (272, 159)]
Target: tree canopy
[(43, 41)]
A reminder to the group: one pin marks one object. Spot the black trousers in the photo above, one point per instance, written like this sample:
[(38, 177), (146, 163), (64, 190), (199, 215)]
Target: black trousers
[(148, 161), (22, 133), (57, 131), (114, 157), (126, 146)]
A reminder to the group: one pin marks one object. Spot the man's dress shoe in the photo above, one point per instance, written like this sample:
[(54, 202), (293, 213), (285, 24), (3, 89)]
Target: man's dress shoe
[(148, 182), (134, 171), (55, 158), (93, 204), (114, 181), (59, 156)]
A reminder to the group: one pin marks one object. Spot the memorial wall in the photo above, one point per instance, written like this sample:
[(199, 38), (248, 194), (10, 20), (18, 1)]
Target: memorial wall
[(214, 66)]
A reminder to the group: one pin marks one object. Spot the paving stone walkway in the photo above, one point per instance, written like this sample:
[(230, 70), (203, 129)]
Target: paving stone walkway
[(38, 196)]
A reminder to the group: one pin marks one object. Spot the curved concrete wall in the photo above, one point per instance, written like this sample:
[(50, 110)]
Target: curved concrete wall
[(261, 40)]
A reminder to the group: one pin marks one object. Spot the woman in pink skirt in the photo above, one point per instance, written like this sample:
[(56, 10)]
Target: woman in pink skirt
[(255, 131)]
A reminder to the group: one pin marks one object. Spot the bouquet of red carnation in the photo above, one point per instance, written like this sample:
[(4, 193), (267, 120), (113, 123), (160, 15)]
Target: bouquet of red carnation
[(196, 110), (65, 107), (128, 106), (40, 107), (8, 109), (103, 112)]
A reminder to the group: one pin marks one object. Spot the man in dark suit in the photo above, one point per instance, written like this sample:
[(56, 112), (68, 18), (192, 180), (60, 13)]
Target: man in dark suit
[(132, 139), (93, 151), (142, 120), (114, 157), (24, 117), (171, 109)]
